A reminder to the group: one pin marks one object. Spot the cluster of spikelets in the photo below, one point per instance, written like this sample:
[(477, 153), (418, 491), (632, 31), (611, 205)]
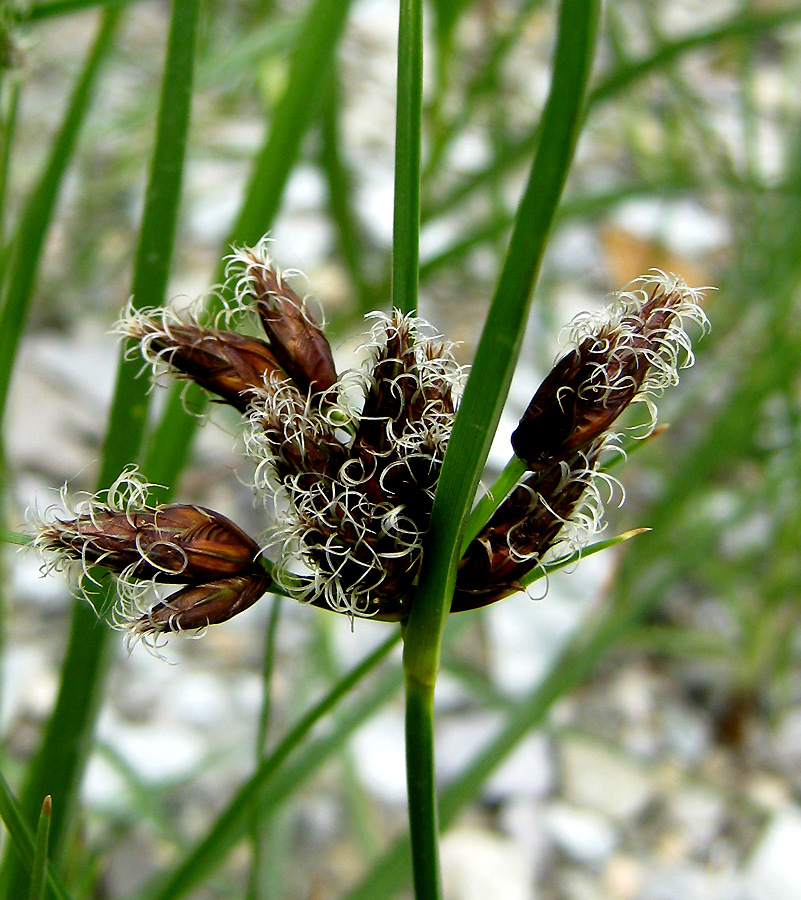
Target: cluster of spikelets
[(351, 482)]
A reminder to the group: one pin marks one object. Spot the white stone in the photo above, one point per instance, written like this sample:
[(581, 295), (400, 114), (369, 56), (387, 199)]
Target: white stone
[(103, 787), (477, 865), (158, 751), (585, 836), (774, 870), (603, 780), (527, 772), (378, 747), (522, 820), (699, 811), (28, 684)]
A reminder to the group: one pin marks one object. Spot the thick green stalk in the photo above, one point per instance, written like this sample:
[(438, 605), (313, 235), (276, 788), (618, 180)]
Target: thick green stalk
[(59, 764), (500, 342), (479, 414), (406, 228), (423, 823)]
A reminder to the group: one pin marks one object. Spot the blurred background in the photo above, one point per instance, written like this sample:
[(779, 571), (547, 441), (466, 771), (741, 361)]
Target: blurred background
[(674, 769)]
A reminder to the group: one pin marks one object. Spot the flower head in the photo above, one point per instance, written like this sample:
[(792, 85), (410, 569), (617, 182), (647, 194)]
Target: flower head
[(142, 545), (355, 511), (352, 479), (229, 365), (625, 354), (295, 337)]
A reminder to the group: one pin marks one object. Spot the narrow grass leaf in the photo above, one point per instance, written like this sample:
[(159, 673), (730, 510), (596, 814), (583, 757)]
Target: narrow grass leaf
[(22, 839), (9, 98), (340, 194), (317, 39), (37, 214), (513, 471), (54, 8), (409, 111), (39, 868)]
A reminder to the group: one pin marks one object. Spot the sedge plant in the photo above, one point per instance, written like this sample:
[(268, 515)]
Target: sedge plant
[(373, 473)]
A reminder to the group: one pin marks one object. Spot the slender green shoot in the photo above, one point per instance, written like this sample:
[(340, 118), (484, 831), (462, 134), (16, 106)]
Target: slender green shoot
[(406, 230), (513, 471), (22, 838), (39, 870)]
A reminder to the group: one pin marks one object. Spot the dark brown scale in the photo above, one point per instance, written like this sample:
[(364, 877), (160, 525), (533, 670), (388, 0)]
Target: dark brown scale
[(530, 518), (228, 365), (295, 338), (175, 543)]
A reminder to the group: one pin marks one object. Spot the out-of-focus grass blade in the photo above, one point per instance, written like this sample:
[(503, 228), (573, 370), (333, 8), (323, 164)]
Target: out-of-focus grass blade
[(340, 194), (611, 86), (501, 338), (18, 286), (54, 8), (264, 790), (746, 25), (8, 120), (39, 870), (409, 110), (313, 54), (22, 838), (37, 214), (261, 824), (59, 764), (312, 57)]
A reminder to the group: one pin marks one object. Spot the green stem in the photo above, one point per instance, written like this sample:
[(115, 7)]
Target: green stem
[(478, 418), (406, 229), (423, 824)]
